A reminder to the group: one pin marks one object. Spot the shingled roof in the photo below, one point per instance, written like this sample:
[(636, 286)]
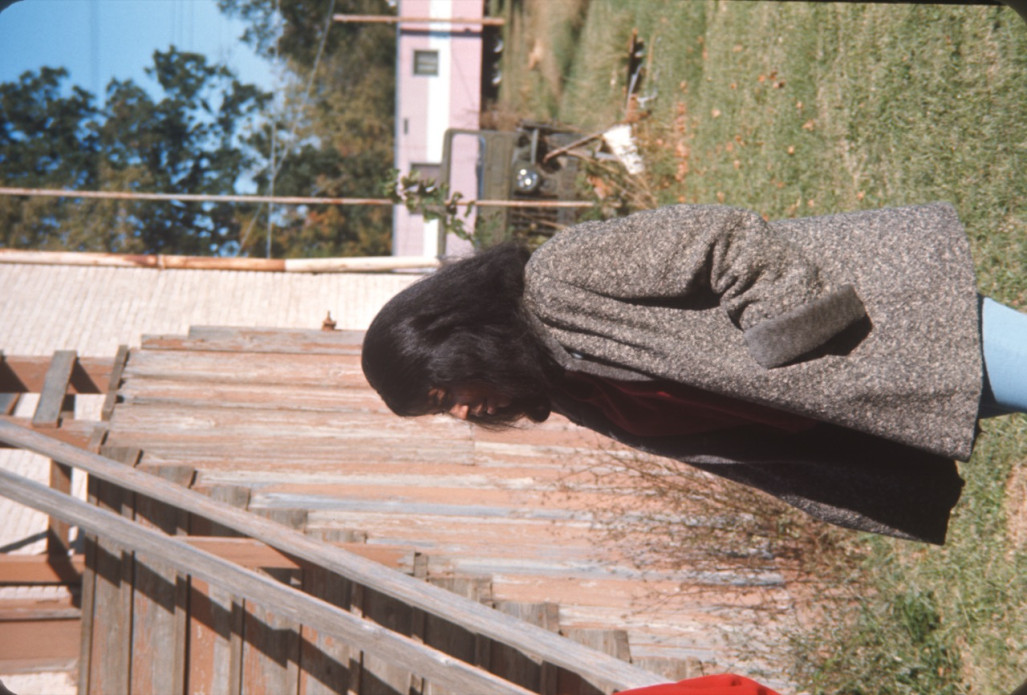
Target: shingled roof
[(94, 309)]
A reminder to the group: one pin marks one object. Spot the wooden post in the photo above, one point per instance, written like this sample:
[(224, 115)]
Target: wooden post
[(215, 614), (54, 405), (158, 633), (112, 577)]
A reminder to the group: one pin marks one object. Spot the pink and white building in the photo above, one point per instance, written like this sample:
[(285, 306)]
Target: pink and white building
[(438, 86)]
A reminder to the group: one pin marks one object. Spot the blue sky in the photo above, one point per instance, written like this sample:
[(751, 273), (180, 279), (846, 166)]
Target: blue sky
[(98, 40)]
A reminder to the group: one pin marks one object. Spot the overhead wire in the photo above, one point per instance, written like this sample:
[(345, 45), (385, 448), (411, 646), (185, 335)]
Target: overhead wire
[(274, 142), (94, 46), (276, 165)]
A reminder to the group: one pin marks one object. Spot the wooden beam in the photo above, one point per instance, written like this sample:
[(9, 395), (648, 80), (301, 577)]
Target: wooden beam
[(38, 609), (284, 600), (114, 383), (32, 646), (55, 388), (54, 406), (26, 374), (41, 569), (594, 667)]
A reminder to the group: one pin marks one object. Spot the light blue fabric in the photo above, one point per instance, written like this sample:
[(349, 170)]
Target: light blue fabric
[(1004, 343)]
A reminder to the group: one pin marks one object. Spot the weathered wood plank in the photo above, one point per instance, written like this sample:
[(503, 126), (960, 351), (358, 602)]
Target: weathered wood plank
[(89, 579), (215, 644), (55, 387), (612, 642), (110, 636), (341, 371), (326, 661), (360, 469), (509, 663), (153, 627), (672, 669), (271, 649), (284, 341), (271, 646), (165, 421), (155, 647), (452, 639), (170, 424), (185, 394), (471, 615), (384, 676), (282, 446), (236, 496), (114, 381)]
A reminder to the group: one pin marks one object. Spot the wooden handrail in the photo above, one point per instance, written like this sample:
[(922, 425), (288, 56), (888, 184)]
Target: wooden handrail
[(600, 669), (292, 603)]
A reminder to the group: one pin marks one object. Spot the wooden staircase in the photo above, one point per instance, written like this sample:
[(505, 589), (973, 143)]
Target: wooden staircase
[(282, 425)]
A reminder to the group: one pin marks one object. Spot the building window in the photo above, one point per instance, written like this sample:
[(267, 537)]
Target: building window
[(426, 171), (426, 62)]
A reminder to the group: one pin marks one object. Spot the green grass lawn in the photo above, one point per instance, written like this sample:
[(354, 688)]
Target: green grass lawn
[(795, 109)]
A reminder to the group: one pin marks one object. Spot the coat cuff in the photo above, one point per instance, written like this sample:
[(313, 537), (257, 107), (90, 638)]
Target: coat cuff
[(780, 340)]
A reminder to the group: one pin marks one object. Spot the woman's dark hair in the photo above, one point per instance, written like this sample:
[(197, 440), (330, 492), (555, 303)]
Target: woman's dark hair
[(464, 324)]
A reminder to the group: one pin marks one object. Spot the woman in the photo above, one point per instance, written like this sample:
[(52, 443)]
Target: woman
[(834, 362)]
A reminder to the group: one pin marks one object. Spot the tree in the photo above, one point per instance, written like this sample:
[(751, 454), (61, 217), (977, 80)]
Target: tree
[(342, 100), (193, 139), (47, 137), (334, 136)]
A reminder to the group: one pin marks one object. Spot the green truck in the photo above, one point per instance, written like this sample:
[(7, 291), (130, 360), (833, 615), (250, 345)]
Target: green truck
[(529, 164)]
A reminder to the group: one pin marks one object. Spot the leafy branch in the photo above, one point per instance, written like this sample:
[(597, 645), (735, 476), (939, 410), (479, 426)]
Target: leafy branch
[(431, 200)]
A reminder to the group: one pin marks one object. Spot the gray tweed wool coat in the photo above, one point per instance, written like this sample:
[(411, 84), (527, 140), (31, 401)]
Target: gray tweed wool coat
[(866, 322)]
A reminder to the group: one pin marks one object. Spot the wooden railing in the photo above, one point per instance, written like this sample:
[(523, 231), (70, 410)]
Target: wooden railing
[(605, 673)]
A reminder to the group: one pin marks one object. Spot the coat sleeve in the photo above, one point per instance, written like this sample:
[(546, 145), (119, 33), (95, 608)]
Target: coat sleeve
[(768, 288)]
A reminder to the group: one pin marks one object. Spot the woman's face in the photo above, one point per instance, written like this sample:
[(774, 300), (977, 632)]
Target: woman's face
[(465, 400)]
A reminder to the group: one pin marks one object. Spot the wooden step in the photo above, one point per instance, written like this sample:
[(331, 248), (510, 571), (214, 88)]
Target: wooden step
[(39, 635)]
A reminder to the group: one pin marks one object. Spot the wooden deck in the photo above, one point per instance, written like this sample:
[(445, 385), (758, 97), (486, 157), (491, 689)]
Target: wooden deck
[(299, 429)]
